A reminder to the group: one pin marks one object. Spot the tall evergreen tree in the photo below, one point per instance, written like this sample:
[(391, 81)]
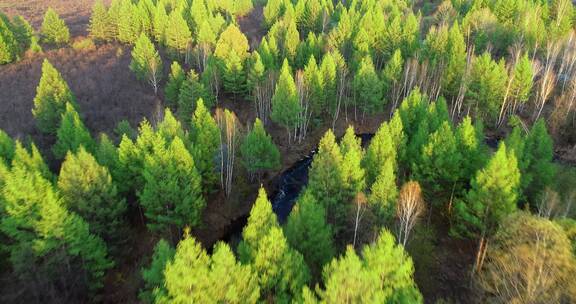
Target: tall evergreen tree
[(190, 91), (392, 74), (205, 137), (493, 195), (47, 243), (522, 81), (470, 140), (154, 274), (352, 154), (281, 270), (54, 30), (259, 153), (178, 35), (456, 62), (367, 87), (308, 232), (101, 25), (285, 104), (7, 147), (160, 23), (72, 134), (88, 190), (383, 194), (232, 50), (193, 275), (52, 96), (8, 44), (146, 62), (381, 151), (487, 86), (384, 274), (128, 20), (172, 192), (174, 83)]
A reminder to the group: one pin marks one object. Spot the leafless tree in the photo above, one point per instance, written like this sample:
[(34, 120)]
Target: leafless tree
[(360, 201), (409, 209), (300, 129), (229, 133), (342, 88), (548, 79), (262, 95)]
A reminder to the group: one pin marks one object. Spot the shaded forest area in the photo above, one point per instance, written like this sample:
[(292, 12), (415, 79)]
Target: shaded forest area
[(142, 141)]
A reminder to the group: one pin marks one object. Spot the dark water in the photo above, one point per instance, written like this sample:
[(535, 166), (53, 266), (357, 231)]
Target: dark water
[(288, 186)]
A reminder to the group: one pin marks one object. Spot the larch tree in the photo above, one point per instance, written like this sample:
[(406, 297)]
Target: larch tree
[(383, 194), (172, 193), (258, 151), (178, 35), (54, 30), (191, 90), (174, 83), (456, 62), (9, 49), (383, 274), (193, 275), (205, 138), (285, 104), (392, 78), (281, 269), (87, 189), (520, 86), (352, 155), (146, 62), (160, 23), (232, 51), (101, 27), (153, 275), (72, 134), (7, 147), (485, 92), (47, 243), (30, 160), (327, 182), (382, 151), (367, 88), (493, 196), (52, 95), (128, 20)]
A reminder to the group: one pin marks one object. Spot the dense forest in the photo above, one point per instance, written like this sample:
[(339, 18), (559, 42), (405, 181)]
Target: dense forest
[(442, 171)]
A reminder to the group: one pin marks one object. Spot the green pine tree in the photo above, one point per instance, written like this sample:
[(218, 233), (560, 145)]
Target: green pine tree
[(190, 91), (258, 151), (285, 105), (87, 189), (205, 138), (72, 134), (384, 274), (178, 35), (352, 155), (174, 83), (281, 270), (172, 192), (7, 148), (9, 50), (101, 25), (368, 88), (154, 274), (52, 96), (308, 232), (487, 86), (54, 29), (493, 195), (128, 20)]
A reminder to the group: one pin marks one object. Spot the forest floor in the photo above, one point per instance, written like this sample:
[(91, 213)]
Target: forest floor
[(107, 92)]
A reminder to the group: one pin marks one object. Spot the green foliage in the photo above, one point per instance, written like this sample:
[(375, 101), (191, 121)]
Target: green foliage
[(30, 161), (535, 153), (205, 138), (9, 50), (258, 151), (174, 83), (487, 86), (522, 81), (232, 50), (352, 154), (281, 270), (7, 147), (456, 62), (383, 194), (368, 88), (314, 83), (72, 134), (101, 25), (46, 242), (493, 196), (87, 189), (160, 23), (178, 35), (52, 96), (382, 151), (54, 30), (308, 232), (146, 62), (392, 74), (327, 182), (128, 20), (470, 140), (172, 192), (285, 104), (194, 276), (384, 274), (190, 91), (154, 275)]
